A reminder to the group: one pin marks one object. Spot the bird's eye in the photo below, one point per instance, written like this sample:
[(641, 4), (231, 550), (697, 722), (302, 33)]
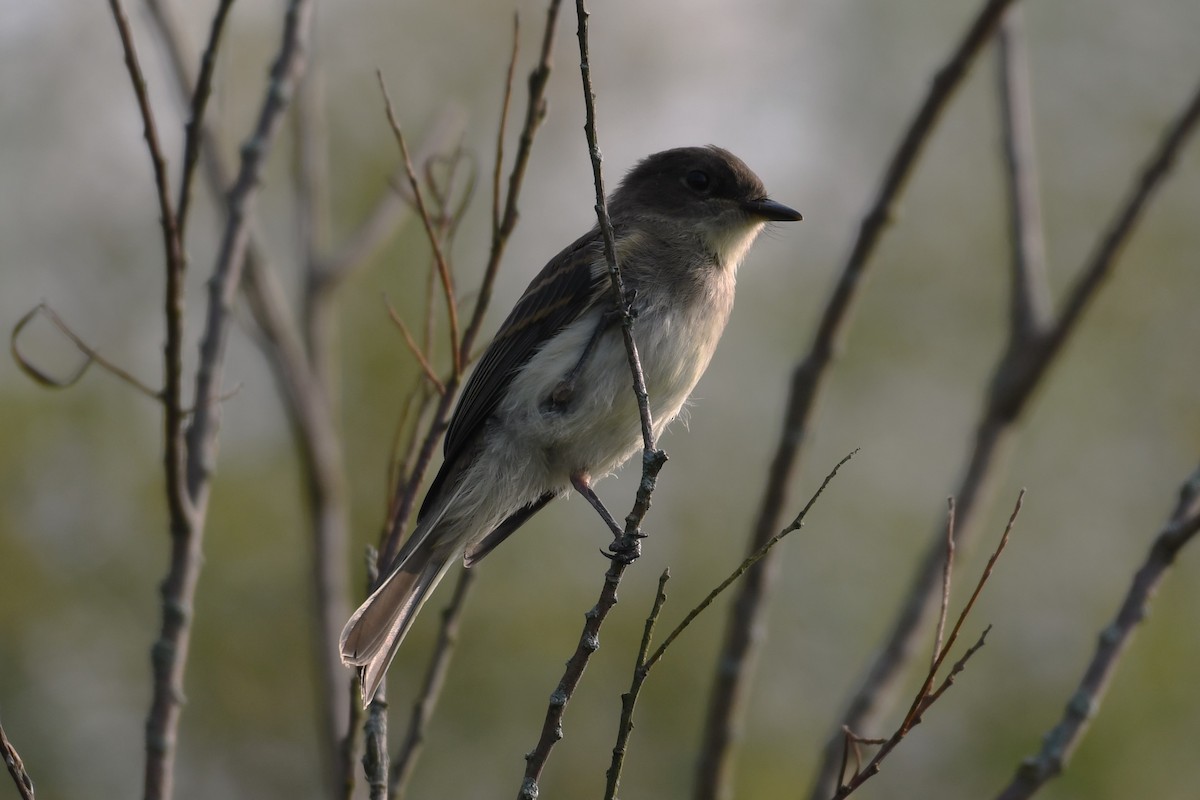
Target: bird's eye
[(697, 181)]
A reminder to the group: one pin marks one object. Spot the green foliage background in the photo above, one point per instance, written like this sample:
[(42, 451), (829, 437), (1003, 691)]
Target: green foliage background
[(813, 96)]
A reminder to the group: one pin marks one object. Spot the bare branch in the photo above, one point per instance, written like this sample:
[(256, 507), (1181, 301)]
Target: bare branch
[(416, 351), (629, 700), (91, 356), (194, 131), (927, 695), (16, 768), (646, 662), (176, 263), (1060, 742), (505, 104), (946, 573), (738, 651), (535, 112), (169, 654), (443, 266), (405, 761), (1029, 301), (628, 545)]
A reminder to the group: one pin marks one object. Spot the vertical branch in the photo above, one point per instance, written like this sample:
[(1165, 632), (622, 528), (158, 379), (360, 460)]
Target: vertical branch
[(739, 649), (443, 265), (404, 764), (1060, 742), (176, 264), (179, 587), (311, 399), (194, 130), (1029, 299), (652, 462)]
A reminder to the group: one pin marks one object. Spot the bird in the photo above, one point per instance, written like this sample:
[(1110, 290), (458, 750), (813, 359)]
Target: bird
[(550, 406)]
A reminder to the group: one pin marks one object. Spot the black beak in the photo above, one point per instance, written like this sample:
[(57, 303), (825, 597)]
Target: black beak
[(771, 211)]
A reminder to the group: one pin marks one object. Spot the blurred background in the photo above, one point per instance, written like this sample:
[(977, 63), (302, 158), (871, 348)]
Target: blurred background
[(813, 95)]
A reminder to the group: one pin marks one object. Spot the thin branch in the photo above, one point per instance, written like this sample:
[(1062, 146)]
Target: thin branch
[(795, 525), (169, 654), (16, 768), (629, 700), (92, 356), (921, 703), (415, 349), (645, 662), (390, 211), (1060, 742), (404, 763), (194, 130), (535, 112), (620, 295), (443, 266), (1029, 298), (927, 695), (886, 746), (946, 574), (176, 264), (505, 104), (628, 545), (739, 650)]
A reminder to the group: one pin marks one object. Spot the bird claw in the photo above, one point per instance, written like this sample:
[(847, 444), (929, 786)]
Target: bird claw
[(626, 548)]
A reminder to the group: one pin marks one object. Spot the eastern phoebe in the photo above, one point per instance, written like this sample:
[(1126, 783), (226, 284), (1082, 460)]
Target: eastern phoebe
[(550, 404)]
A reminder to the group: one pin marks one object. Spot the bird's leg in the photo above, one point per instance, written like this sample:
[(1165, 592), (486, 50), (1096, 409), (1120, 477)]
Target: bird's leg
[(625, 548)]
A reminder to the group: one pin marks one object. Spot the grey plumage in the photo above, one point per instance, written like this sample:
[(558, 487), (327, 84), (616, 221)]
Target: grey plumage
[(549, 404)]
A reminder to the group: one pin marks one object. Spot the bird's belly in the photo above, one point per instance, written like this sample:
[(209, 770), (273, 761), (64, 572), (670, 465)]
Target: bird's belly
[(591, 424)]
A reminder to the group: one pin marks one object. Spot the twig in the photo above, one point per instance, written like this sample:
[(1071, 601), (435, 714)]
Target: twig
[(645, 662), (176, 264), (443, 266), (863, 774), (739, 651), (505, 104), (415, 349), (1029, 298), (946, 573), (641, 671), (16, 768), (169, 654), (920, 704), (535, 112), (405, 761), (391, 209), (92, 356), (194, 130), (1060, 742), (652, 462), (927, 695)]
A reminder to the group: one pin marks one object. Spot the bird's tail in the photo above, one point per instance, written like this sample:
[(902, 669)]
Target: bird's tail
[(372, 636)]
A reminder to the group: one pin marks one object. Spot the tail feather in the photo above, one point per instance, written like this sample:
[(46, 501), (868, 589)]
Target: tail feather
[(372, 636)]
